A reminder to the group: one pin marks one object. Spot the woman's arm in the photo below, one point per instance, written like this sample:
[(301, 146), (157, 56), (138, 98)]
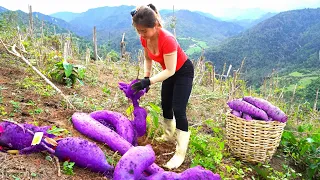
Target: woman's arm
[(147, 64), (170, 60)]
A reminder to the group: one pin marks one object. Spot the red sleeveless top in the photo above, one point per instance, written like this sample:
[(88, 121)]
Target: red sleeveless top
[(167, 43)]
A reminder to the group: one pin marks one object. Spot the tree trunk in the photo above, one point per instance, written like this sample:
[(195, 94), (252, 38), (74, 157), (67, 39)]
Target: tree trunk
[(122, 46), (174, 22), (230, 66), (95, 47), (87, 56), (70, 45), (214, 77), (30, 21), (316, 100)]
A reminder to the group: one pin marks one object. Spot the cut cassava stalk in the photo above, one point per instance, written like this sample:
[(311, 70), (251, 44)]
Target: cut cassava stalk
[(15, 53)]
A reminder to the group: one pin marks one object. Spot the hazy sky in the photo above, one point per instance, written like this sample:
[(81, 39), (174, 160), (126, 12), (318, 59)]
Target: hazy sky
[(215, 7)]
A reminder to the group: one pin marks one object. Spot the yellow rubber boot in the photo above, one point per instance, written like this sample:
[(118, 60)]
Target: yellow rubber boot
[(181, 150), (169, 127)]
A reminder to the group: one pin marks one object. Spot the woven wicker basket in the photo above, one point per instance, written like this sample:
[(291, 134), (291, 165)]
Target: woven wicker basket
[(253, 141)]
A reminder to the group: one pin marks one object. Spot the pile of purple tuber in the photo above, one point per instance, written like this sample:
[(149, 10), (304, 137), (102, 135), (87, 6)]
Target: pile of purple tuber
[(110, 128), (253, 108)]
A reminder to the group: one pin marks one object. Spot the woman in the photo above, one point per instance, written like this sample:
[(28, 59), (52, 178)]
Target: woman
[(176, 77)]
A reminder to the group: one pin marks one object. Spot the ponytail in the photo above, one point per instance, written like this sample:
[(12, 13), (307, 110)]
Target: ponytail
[(151, 6), (147, 16)]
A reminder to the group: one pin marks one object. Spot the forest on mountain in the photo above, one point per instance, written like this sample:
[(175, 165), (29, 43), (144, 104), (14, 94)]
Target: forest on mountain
[(276, 43)]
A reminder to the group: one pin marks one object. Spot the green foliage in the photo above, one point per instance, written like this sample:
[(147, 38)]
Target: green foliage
[(267, 172), (64, 72), (154, 112), (8, 23), (15, 177), (304, 149), (16, 106), (306, 90), (57, 131), (296, 74), (33, 83), (35, 111), (114, 159), (273, 44), (106, 90), (34, 174), (192, 46), (206, 150), (310, 91), (113, 56), (68, 168)]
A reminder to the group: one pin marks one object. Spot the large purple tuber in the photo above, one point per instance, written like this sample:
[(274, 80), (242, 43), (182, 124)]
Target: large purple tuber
[(245, 107), (134, 162), (140, 123), (130, 93), (194, 173), (84, 153), (272, 111), (122, 125), (236, 113), (166, 175), (199, 173), (91, 128), (246, 117), (19, 137)]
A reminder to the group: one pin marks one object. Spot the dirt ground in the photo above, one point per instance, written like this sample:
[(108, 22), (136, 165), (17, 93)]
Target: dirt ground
[(36, 166), (55, 113)]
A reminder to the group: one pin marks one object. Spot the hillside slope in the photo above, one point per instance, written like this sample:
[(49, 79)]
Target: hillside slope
[(283, 42)]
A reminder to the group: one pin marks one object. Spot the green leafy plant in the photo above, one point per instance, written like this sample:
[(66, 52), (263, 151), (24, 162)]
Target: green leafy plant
[(68, 168), (66, 73), (57, 131), (34, 174), (153, 119), (206, 150), (113, 56), (114, 159), (35, 84), (267, 172), (15, 177), (35, 111), (3, 111), (106, 90), (16, 106), (303, 149), (1, 98)]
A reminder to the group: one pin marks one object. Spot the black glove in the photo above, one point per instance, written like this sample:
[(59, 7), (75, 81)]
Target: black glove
[(141, 84), (147, 88)]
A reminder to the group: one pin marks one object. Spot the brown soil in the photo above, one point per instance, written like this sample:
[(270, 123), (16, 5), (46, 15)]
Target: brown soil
[(36, 166), (54, 112)]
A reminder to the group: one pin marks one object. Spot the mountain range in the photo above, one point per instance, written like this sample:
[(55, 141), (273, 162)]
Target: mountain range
[(275, 41), (112, 22), (285, 42)]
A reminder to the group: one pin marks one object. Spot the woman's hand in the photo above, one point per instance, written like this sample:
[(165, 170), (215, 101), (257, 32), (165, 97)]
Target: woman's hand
[(141, 84)]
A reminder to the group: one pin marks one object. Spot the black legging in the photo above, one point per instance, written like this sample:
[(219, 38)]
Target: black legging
[(175, 94)]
